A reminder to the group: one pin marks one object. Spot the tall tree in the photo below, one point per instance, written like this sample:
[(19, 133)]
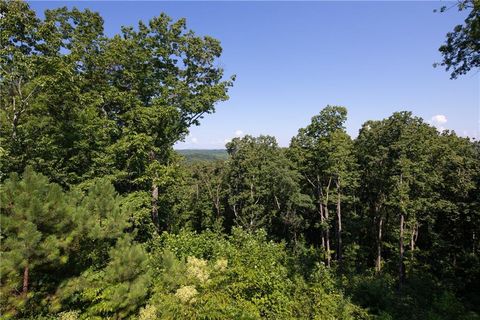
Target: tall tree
[(395, 156), (343, 168), (461, 51), (263, 189), (452, 238), (36, 228), (208, 193), (324, 154), (102, 106), (49, 235)]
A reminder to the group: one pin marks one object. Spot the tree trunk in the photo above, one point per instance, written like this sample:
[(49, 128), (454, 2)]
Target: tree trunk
[(14, 123), (400, 249), (327, 237), (322, 221), (413, 239), (217, 208), (217, 202), (339, 228), (327, 220), (378, 260), (474, 248), (320, 210), (154, 200), (155, 219), (26, 274)]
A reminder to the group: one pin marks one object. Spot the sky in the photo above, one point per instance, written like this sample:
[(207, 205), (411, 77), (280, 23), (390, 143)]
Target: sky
[(291, 59)]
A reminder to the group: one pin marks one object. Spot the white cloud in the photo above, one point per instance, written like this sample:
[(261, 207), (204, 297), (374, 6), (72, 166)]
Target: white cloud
[(438, 121), (194, 140), (227, 140), (239, 133)]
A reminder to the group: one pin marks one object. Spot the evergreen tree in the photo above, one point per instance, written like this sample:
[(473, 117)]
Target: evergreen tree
[(49, 236), (36, 220)]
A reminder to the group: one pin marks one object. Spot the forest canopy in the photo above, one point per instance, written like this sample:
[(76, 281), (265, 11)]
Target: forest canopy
[(102, 219)]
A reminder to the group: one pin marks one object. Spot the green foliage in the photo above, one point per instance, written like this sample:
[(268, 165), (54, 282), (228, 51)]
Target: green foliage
[(422, 298), (46, 231), (399, 175), (193, 155), (461, 51), (207, 194), (118, 226), (118, 290), (243, 276), (262, 187), (101, 105), (323, 154), (36, 220)]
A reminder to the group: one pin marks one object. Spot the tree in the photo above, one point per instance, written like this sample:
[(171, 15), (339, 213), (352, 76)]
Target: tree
[(343, 168), (102, 106), (36, 227), (323, 152), (461, 51), (44, 93), (208, 193), (453, 240), (262, 188), (398, 175), (46, 232), (117, 290)]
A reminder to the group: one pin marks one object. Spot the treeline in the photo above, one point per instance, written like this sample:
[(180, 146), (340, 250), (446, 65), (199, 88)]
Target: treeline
[(401, 200), (101, 219)]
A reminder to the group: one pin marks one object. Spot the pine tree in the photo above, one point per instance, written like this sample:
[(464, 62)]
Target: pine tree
[(37, 221)]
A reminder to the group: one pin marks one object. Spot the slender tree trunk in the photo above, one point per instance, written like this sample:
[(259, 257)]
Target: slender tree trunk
[(327, 237), (401, 252), (320, 208), (26, 274), (217, 207), (234, 207), (339, 228), (322, 221), (378, 260), (20, 106), (154, 200), (155, 219), (413, 239), (474, 248), (327, 220), (14, 122), (217, 202)]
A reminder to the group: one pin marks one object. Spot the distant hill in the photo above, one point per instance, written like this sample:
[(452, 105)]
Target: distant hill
[(192, 155)]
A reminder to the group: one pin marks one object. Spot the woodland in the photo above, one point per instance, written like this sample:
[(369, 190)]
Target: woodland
[(101, 218)]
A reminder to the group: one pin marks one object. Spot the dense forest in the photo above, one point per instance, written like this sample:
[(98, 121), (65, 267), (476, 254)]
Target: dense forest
[(102, 219), (192, 155)]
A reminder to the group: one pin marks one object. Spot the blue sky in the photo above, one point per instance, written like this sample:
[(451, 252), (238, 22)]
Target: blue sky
[(293, 58)]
